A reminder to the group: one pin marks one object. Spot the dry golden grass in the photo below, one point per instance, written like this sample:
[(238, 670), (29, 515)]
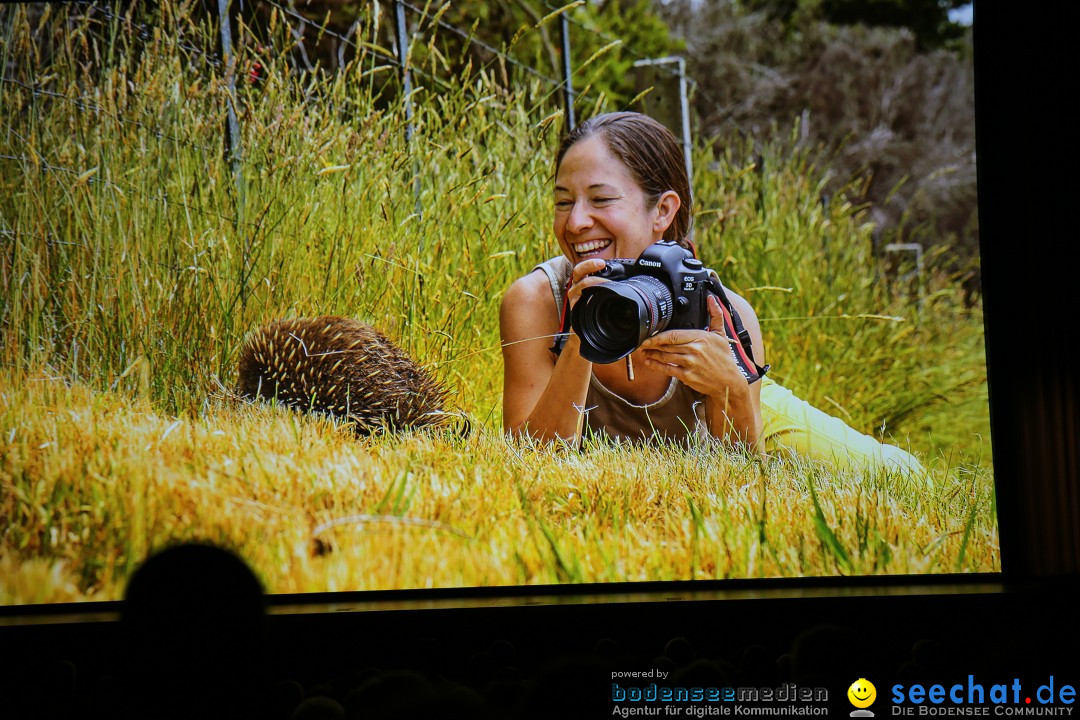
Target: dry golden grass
[(90, 482)]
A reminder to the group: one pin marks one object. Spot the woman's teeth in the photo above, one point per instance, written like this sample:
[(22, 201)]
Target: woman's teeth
[(591, 246)]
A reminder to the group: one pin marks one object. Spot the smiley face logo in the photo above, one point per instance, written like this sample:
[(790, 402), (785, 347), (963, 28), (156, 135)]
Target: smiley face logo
[(862, 693)]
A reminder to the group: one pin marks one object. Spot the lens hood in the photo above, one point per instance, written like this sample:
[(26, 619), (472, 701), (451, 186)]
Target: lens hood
[(614, 318)]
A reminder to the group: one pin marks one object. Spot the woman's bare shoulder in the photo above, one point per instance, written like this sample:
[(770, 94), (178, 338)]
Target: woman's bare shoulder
[(528, 300), (533, 286)]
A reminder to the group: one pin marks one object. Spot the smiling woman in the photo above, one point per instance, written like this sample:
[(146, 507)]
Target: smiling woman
[(620, 187), (614, 197)]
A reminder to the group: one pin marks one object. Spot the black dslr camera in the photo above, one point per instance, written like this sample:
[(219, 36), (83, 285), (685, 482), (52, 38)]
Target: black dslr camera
[(666, 288)]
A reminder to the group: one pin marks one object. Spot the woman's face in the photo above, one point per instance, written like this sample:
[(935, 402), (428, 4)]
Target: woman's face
[(600, 212)]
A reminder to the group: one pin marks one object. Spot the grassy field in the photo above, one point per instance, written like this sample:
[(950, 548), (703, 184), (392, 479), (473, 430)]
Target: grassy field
[(135, 262)]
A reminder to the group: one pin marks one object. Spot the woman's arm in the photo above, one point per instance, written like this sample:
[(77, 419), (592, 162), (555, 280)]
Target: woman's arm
[(702, 360), (541, 397)]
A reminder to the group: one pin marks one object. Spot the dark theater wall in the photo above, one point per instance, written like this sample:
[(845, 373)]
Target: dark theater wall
[(1026, 139)]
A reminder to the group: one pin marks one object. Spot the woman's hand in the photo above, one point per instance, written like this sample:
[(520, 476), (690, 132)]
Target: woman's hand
[(702, 360), (698, 358), (582, 277)]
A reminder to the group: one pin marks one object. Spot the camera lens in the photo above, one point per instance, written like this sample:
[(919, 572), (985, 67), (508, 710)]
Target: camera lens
[(622, 320), (614, 318)]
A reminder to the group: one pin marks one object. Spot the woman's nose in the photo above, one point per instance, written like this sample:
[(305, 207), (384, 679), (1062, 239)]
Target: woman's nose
[(580, 218)]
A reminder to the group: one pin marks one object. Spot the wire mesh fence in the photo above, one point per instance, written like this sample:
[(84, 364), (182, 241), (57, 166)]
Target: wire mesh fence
[(157, 157), (215, 61)]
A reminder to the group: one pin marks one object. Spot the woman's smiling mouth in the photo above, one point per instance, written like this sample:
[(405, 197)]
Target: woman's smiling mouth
[(591, 247)]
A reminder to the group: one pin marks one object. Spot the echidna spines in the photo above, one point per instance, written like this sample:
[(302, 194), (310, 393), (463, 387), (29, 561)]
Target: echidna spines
[(343, 368)]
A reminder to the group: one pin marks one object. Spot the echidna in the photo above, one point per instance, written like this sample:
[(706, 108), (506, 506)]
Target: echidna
[(340, 367)]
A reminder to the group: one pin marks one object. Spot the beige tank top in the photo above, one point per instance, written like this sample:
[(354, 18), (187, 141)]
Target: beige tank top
[(677, 416)]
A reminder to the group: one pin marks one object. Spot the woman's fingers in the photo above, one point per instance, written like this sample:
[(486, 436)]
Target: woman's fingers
[(690, 340), (670, 369), (580, 278), (665, 356), (716, 316), (684, 341), (585, 268), (575, 291), (673, 353), (671, 338)]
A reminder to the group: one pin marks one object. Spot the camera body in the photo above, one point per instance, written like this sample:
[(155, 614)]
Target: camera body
[(665, 288)]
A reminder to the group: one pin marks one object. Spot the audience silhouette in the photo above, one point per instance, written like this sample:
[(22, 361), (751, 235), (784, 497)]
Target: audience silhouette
[(194, 642)]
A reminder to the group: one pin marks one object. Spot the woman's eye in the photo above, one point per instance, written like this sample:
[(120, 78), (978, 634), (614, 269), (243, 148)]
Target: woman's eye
[(563, 203), (603, 200)]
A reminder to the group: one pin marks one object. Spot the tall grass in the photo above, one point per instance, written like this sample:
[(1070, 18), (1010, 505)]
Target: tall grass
[(154, 259), (840, 329), (134, 263)]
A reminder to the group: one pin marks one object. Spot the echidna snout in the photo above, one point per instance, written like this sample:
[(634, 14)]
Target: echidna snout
[(340, 367)]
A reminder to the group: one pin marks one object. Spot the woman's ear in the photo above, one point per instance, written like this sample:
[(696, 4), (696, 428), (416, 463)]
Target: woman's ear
[(666, 208)]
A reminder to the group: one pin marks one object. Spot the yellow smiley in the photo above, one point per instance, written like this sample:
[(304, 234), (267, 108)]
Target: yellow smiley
[(862, 693)]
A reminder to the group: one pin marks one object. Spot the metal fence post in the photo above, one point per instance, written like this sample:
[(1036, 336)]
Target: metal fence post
[(915, 249), (826, 201), (402, 33), (568, 83), (233, 137), (684, 104), (684, 110)]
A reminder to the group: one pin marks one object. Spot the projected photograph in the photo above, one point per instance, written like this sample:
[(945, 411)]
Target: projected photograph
[(387, 296)]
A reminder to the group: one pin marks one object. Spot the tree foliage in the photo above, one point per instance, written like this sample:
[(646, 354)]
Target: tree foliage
[(928, 20), (881, 111), (499, 37)]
